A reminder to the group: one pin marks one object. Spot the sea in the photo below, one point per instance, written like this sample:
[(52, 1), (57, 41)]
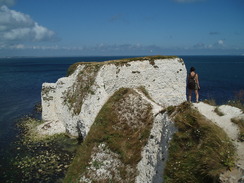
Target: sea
[(221, 78)]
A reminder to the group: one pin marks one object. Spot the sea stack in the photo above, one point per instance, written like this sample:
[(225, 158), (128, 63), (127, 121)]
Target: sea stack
[(73, 102)]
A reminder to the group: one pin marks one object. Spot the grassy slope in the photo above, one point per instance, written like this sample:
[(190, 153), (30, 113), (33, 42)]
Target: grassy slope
[(199, 151), (125, 140)]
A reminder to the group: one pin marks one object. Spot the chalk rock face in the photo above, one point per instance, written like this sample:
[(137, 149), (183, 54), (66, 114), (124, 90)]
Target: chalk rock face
[(75, 101), (127, 142)]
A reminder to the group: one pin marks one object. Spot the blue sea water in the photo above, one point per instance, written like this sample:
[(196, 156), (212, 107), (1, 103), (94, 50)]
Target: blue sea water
[(20, 86), (21, 79), (220, 77)]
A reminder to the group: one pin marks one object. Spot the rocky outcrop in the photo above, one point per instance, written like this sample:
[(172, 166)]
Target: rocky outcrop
[(118, 109), (73, 102), (120, 104), (128, 141)]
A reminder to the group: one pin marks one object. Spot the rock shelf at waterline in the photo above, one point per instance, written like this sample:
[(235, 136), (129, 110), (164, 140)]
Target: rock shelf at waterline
[(38, 159)]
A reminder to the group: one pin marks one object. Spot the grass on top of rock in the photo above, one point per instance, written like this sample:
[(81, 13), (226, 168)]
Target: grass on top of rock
[(124, 125), (210, 102), (238, 101), (240, 123), (199, 151), (151, 59)]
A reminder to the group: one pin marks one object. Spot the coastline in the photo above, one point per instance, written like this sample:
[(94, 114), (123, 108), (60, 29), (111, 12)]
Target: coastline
[(57, 150), (38, 158), (52, 76)]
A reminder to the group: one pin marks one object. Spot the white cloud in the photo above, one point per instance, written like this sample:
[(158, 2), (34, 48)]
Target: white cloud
[(123, 48), (98, 49), (216, 45), (19, 27), (220, 42), (7, 2), (42, 33), (18, 46)]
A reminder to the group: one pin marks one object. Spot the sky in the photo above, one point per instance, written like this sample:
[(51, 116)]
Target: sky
[(119, 28)]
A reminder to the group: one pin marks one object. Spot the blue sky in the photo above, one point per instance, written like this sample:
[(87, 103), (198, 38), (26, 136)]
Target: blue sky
[(115, 27)]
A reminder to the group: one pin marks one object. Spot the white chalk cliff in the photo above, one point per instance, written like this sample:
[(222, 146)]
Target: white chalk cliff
[(72, 103), (125, 99)]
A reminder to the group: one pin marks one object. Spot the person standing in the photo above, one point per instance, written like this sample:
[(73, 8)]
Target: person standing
[(193, 84)]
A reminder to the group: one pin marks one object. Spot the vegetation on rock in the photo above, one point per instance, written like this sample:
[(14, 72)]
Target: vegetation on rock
[(199, 151), (238, 101), (240, 123), (82, 87), (123, 125), (121, 62)]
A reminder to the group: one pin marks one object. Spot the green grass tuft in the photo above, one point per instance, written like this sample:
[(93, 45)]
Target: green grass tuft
[(236, 103), (240, 123), (211, 102)]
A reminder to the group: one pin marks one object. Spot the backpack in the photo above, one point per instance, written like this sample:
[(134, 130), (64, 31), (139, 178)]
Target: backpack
[(191, 82)]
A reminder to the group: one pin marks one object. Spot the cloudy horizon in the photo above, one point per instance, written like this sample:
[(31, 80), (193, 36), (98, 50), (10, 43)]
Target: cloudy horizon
[(170, 27)]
